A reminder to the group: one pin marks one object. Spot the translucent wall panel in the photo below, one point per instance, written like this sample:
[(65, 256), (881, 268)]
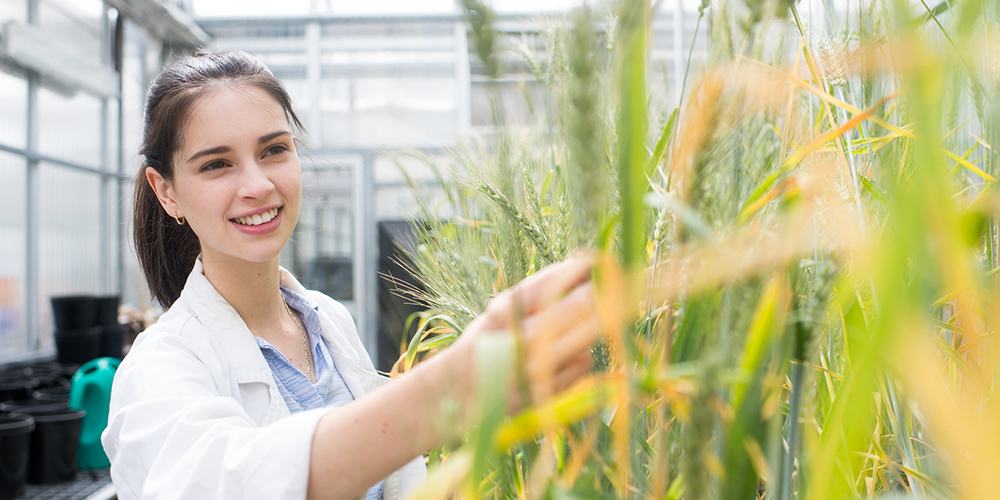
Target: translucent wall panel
[(69, 238), (13, 10), (134, 290), (70, 127), (388, 111), (73, 24), (13, 335), (522, 102), (298, 90), (14, 118)]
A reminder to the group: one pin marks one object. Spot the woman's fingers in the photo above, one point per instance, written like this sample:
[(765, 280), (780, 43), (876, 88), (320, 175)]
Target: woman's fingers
[(575, 307), (549, 358), (578, 367), (555, 312), (580, 339), (541, 289), (551, 354), (544, 387)]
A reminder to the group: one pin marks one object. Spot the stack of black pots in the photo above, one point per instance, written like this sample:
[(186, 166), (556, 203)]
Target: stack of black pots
[(39, 433), (87, 328)]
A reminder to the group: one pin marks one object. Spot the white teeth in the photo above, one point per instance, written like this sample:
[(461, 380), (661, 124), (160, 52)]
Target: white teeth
[(258, 219)]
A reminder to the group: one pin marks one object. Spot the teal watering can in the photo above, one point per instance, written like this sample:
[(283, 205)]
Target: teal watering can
[(90, 390)]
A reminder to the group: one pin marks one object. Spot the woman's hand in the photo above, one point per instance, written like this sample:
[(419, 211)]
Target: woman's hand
[(554, 313)]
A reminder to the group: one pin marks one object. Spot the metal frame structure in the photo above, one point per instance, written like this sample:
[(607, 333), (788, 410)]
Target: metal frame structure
[(109, 173), (179, 29)]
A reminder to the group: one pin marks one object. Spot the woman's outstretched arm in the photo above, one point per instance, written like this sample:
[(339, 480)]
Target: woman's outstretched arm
[(367, 440)]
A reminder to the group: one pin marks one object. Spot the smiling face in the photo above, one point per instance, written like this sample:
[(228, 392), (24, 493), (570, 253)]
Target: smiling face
[(237, 178)]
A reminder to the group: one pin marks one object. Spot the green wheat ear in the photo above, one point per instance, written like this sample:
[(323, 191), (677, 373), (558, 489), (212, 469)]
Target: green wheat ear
[(532, 231), (587, 181)]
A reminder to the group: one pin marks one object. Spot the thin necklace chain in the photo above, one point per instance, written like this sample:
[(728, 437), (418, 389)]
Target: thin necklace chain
[(305, 340)]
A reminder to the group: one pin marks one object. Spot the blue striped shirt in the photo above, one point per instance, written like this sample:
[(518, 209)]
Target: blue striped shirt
[(299, 393)]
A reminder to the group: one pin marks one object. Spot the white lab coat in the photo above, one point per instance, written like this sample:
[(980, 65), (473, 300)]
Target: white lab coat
[(195, 412)]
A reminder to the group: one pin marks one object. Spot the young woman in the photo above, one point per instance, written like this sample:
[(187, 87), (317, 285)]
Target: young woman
[(250, 386)]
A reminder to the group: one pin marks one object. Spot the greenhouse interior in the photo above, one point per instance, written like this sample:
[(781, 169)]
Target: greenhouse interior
[(549, 249)]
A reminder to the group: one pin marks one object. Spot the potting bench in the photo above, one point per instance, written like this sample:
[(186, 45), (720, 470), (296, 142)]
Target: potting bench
[(89, 485)]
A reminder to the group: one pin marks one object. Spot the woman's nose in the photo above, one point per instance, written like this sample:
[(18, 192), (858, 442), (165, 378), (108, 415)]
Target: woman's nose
[(254, 183)]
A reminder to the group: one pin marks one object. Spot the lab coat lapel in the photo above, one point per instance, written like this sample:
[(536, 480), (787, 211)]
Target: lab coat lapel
[(235, 339)]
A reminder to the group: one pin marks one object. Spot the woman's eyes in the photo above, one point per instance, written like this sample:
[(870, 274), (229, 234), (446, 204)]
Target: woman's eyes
[(214, 165), (276, 149), (218, 164)]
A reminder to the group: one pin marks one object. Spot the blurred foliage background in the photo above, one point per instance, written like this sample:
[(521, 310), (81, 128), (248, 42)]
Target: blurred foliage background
[(800, 259)]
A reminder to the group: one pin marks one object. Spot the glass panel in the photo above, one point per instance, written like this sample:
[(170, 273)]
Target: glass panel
[(381, 112), (70, 127), (135, 291), (13, 10), (133, 95), (13, 334), (522, 102), (324, 237), (69, 239), (73, 24), (13, 102), (112, 225)]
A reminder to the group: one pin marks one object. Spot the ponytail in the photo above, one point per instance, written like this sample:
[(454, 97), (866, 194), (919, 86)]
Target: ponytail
[(167, 250)]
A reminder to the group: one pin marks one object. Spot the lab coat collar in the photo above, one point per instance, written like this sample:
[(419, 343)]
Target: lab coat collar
[(247, 361), (226, 326)]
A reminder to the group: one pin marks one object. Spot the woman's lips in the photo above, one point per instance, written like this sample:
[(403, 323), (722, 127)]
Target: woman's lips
[(262, 227)]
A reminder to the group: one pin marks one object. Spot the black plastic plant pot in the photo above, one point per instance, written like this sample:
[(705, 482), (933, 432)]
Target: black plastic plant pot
[(44, 377), (55, 394), (54, 445), (107, 310), (67, 370), (78, 346), (15, 387), (15, 443), (74, 312), (32, 405), (111, 341)]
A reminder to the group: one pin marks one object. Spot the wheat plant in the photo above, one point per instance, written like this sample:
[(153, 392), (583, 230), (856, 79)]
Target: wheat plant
[(799, 265)]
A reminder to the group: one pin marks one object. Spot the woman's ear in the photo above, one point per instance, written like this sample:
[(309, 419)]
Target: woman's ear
[(164, 192)]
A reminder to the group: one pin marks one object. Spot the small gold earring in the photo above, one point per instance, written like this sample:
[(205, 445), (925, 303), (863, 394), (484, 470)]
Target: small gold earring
[(180, 220)]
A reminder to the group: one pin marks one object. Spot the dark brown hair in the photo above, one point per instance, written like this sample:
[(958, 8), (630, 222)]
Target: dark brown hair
[(166, 249)]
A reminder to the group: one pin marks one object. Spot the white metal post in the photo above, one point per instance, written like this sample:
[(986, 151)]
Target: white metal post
[(105, 219), (364, 270), (314, 80), (463, 79), (31, 200)]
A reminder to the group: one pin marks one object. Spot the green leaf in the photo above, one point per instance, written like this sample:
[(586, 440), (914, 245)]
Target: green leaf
[(661, 145)]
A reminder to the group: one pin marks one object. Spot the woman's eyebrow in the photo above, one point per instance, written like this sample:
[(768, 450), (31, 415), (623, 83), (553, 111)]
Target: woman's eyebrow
[(210, 151), (272, 135), (225, 149)]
